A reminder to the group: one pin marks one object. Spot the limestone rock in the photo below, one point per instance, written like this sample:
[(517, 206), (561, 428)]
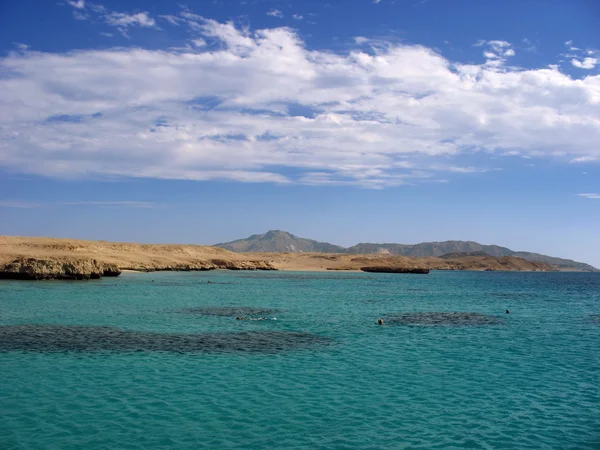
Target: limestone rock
[(61, 269)]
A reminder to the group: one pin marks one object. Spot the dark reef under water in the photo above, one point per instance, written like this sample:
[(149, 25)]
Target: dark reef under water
[(229, 311), (442, 319), (72, 338)]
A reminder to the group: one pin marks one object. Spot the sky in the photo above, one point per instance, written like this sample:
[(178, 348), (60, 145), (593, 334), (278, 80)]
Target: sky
[(343, 121)]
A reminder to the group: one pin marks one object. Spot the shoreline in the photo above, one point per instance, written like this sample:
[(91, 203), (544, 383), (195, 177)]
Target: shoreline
[(49, 258)]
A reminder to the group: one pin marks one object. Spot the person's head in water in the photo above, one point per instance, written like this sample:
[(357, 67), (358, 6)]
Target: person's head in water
[(380, 321), (507, 311)]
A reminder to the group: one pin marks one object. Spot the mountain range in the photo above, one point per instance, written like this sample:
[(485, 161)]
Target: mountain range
[(277, 241)]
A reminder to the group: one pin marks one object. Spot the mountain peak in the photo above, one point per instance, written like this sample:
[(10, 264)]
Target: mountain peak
[(279, 241), (272, 233)]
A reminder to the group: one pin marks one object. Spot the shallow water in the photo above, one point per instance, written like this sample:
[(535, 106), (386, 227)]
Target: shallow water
[(323, 375)]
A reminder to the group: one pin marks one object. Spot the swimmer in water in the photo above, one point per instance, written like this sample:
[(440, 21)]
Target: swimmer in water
[(507, 311), (380, 321)]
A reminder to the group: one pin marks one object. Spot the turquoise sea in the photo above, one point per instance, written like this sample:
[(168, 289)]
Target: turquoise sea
[(323, 375)]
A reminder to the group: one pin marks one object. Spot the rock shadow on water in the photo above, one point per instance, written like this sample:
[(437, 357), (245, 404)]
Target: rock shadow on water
[(443, 319), (230, 311), (68, 338)]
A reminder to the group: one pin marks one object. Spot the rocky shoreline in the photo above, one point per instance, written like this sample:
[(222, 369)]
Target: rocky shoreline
[(90, 269), (47, 269)]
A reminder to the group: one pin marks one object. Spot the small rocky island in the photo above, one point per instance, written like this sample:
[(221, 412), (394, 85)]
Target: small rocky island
[(387, 269)]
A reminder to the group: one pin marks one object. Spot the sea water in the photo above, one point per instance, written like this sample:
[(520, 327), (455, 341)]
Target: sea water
[(528, 379)]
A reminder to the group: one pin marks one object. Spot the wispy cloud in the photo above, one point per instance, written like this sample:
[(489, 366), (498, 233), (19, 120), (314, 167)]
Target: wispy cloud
[(124, 20), (275, 13), (121, 20), (297, 17), (529, 46), (260, 106), (584, 159), (79, 4), (496, 51), (173, 20), (590, 196), (28, 205)]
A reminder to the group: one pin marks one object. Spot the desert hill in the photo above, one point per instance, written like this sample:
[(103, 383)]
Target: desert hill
[(36, 257), (282, 241), (47, 258)]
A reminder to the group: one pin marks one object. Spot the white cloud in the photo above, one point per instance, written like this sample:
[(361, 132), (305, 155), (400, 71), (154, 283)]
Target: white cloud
[(275, 13), (79, 4), (360, 40), (124, 20), (496, 51), (376, 1), (199, 42), (258, 106), (297, 16), (582, 59), (587, 63), (495, 45), (590, 196)]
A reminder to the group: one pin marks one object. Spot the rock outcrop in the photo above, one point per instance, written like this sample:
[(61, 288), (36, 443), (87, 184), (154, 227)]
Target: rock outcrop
[(23, 268), (60, 269), (387, 269), (199, 266)]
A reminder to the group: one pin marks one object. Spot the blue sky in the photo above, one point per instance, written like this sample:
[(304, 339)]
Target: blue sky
[(344, 121)]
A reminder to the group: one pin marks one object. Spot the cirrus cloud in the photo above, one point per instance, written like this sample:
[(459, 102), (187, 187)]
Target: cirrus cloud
[(259, 106), (590, 196)]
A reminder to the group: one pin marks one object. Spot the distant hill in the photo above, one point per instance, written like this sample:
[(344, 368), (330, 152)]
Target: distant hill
[(454, 248), (431, 249), (278, 241), (463, 255), (282, 241)]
